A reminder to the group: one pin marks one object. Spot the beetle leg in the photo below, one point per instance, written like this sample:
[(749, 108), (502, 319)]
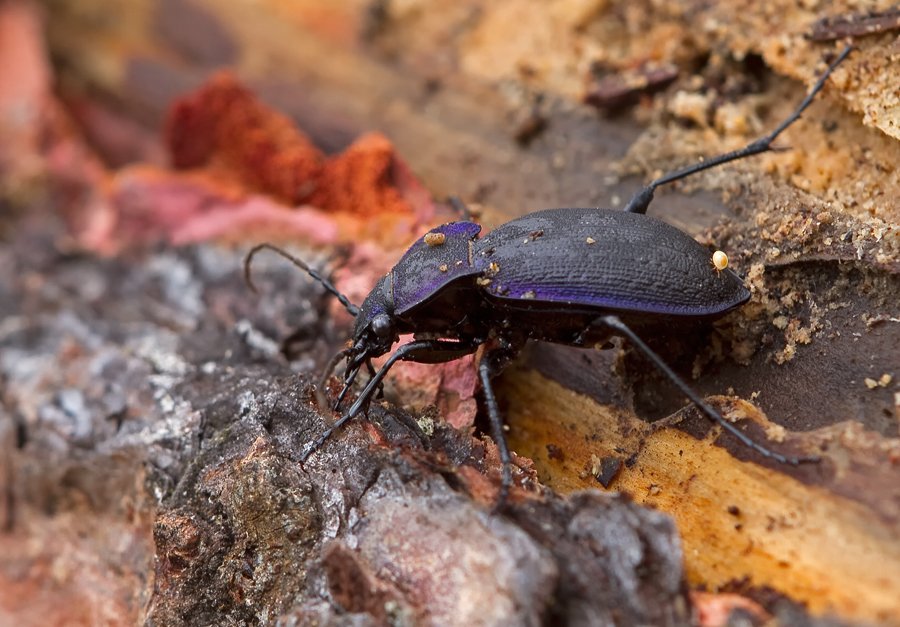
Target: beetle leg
[(603, 343), (326, 375), (489, 367), (620, 328), (372, 373), (426, 351), (349, 378), (641, 200)]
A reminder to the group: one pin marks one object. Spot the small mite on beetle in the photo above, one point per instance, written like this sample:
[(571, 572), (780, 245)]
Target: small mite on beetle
[(590, 240), (434, 239), (720, 260), (443, 267)]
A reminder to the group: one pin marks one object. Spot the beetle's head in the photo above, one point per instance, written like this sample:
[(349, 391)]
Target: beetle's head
[(375, 330)]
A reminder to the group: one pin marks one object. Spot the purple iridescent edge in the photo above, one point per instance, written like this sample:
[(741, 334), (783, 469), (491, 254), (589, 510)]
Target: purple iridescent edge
[(568, 296), (428, 268)]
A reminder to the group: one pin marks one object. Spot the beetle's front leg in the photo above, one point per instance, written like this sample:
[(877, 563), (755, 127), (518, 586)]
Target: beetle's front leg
[(371, 369), (492, 363), (425, 351)]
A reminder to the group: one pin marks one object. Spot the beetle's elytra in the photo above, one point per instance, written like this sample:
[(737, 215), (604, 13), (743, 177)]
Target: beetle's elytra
[(568, 276)]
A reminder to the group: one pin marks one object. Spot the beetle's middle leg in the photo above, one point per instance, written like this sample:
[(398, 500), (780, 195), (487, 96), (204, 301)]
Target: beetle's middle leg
[(616, 326), (492, 363)]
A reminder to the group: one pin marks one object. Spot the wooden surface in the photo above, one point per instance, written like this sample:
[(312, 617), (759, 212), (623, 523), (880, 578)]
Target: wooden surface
[(813, 229)]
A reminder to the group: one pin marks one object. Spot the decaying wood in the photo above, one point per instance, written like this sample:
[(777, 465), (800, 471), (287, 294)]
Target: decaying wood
[(155, 411), (197, 466)]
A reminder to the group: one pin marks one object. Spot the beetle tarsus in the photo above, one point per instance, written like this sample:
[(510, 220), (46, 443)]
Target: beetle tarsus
[(349, 378), (322, 439), (326, 374)]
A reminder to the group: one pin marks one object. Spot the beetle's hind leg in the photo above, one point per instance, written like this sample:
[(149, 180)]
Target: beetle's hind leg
[(620, 328), (641, 200)]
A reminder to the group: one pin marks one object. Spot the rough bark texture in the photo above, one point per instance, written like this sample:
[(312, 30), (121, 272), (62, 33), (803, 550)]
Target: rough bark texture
[(147, 416), (141, 396)]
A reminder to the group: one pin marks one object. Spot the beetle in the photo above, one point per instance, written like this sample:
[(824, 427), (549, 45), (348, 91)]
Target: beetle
[(569, 276)]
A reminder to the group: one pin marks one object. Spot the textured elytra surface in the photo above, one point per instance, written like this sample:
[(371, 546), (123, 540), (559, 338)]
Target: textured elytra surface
[(431, 264), (606, 259)]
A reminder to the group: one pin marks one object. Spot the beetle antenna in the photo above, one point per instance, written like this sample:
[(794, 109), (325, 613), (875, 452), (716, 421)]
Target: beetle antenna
[(328, 285), (620, 328), (641, 200)]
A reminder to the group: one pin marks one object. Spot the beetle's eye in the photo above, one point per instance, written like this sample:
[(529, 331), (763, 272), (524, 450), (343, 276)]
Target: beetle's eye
[(381, 325)]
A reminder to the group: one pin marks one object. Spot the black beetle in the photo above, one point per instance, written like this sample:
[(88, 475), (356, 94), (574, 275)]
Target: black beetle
[(568, 276)]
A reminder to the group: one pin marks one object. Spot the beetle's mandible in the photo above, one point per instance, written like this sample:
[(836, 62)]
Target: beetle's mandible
[(568, 276)]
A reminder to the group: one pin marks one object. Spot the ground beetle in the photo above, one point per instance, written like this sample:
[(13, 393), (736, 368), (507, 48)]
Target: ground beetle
[(568, 276)]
